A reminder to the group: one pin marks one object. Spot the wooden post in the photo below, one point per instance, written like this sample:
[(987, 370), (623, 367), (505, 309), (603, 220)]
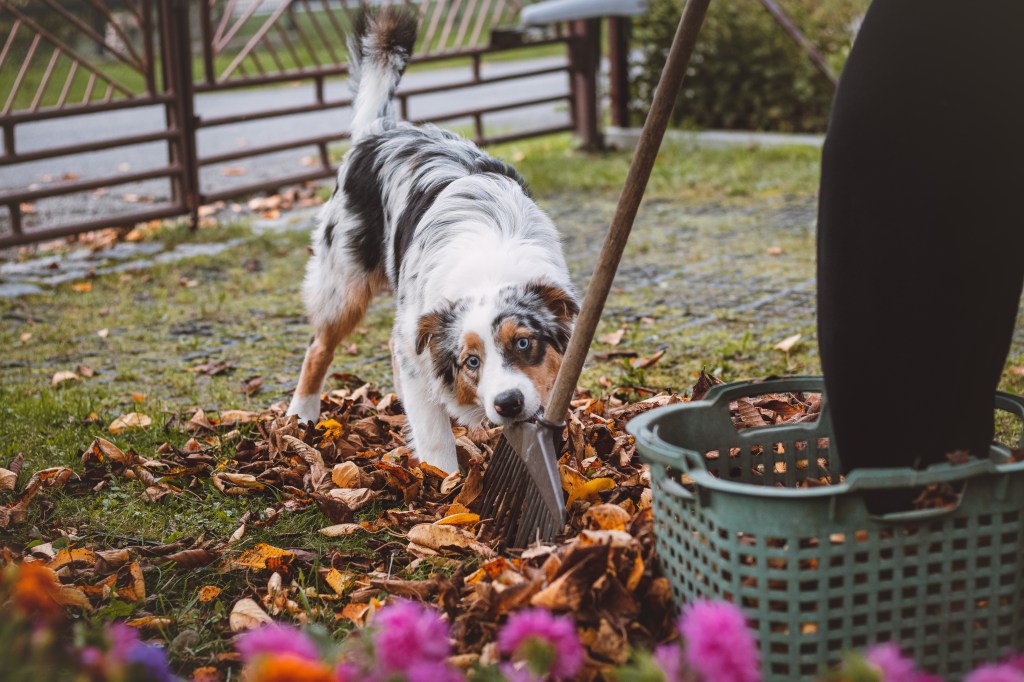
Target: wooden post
[(618, 76), (585, 60)]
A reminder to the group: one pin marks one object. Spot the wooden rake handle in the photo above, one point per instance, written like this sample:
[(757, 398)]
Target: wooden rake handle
[(625, 212)]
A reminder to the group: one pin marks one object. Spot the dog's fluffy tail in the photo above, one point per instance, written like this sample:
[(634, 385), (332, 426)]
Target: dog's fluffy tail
[(379, 50)]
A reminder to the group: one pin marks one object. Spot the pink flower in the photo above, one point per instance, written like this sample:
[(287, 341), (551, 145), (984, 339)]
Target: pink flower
[(408, 634), (555, 636), (669, 659), (893, 666), (275, 639), (1002, 672), (718, 644)]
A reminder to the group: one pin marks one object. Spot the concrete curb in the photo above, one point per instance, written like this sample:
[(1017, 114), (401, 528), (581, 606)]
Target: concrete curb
[(626, 138)]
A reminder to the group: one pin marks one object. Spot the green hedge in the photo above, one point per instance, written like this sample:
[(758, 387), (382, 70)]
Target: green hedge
[(747, 73)]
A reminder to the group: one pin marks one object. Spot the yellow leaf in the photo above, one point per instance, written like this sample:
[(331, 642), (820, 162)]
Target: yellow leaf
[(332, 429), (339, 581), (581, 488), (82, 287), (132, 420), (209, 593), (460, 519), (258, 555), (150, 622)]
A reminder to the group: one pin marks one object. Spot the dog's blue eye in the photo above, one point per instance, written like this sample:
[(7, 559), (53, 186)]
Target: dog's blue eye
[(472, 362), (523, 343)]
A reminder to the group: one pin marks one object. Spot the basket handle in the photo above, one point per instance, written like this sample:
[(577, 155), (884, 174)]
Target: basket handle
[(659, 452), (673, 487), (880, 479), (918, 515)]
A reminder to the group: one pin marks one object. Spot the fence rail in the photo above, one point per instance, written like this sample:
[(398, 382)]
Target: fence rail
[(68, 65)]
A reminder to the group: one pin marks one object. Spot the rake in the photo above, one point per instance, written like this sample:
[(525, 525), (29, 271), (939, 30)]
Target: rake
[(522, 490)]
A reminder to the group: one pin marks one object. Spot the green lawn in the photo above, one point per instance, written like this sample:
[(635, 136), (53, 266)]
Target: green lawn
[(719, 229)]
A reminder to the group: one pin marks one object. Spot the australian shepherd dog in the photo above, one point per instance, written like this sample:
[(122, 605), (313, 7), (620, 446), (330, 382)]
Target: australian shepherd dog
[(484, 303)]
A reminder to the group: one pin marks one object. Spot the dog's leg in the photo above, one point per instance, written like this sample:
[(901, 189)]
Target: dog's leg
[(429, 424), (327, 335)]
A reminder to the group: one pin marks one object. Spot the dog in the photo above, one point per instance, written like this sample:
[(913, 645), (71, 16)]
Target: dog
[(484, 303)]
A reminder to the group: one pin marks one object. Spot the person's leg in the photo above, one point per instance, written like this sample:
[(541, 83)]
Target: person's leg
[(921, 229)]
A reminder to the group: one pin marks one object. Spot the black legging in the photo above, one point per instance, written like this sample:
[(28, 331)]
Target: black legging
[(921, 229)]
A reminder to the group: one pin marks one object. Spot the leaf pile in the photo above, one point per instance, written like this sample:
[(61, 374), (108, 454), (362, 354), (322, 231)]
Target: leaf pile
[(354, 468)]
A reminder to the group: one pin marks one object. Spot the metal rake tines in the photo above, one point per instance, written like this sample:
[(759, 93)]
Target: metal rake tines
[(516, 519)]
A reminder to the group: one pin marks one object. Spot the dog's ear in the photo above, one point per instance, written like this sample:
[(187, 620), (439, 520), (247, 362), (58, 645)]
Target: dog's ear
[(559, 301), (430, 325), (434, 325), (562, 304)]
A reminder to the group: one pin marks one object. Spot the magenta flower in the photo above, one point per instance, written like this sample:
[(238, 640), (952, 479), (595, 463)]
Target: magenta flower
[(554, 639), (669, 659), (407, 635), (276, 639), (1001, 672), (894, 666), (718, 644), (126, 651)]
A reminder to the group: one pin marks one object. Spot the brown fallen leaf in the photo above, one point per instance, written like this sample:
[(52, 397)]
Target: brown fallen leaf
[(447, 538), (346, 475), (252, 385), (246, 615), (606, 517), (614, 338), (340, 529), (354, 498), (63, 376), (788, 343), (192, 558), (8, 479), (647, 362), (132, 420)]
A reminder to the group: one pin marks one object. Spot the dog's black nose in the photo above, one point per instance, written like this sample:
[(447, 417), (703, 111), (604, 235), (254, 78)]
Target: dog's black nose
[(509, 403)]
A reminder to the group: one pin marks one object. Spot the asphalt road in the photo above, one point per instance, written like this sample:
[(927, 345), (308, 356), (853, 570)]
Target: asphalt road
[(214, 141)]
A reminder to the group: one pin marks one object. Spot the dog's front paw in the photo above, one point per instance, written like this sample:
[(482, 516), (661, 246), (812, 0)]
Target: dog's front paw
[(446, 460), (307, 408)]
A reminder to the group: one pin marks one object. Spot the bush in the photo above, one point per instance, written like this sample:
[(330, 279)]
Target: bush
[(747, 73)]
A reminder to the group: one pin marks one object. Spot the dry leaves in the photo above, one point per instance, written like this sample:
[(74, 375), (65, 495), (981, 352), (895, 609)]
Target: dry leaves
[(132, 420)]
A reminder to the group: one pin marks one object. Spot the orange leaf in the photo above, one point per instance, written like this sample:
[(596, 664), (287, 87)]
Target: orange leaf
[(82, 287), (257, 556), (461, 519), (209, 593)]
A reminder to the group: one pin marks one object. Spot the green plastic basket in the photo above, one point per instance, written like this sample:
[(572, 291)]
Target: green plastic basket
[(814, 571)]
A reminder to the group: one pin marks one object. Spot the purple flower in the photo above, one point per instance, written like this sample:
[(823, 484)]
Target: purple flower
[(151, 661), (433, 672), (123, 639), (1002, 672), (669, 658), (893, 666), (554, 635), (276, 639), (718, 645), (408, 634)]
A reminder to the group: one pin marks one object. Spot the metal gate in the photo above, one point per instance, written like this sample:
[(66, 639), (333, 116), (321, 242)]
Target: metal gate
[(175, 85)]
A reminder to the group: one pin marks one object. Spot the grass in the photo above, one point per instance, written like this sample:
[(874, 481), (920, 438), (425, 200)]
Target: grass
[(719, 229)]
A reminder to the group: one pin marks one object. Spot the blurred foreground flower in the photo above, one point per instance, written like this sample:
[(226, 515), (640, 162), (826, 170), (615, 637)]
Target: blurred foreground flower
[(281, 653), (123, 657), (547, 644), (718, 645)]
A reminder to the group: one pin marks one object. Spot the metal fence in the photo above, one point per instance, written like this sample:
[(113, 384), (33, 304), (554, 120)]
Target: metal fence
[(168, 82)]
